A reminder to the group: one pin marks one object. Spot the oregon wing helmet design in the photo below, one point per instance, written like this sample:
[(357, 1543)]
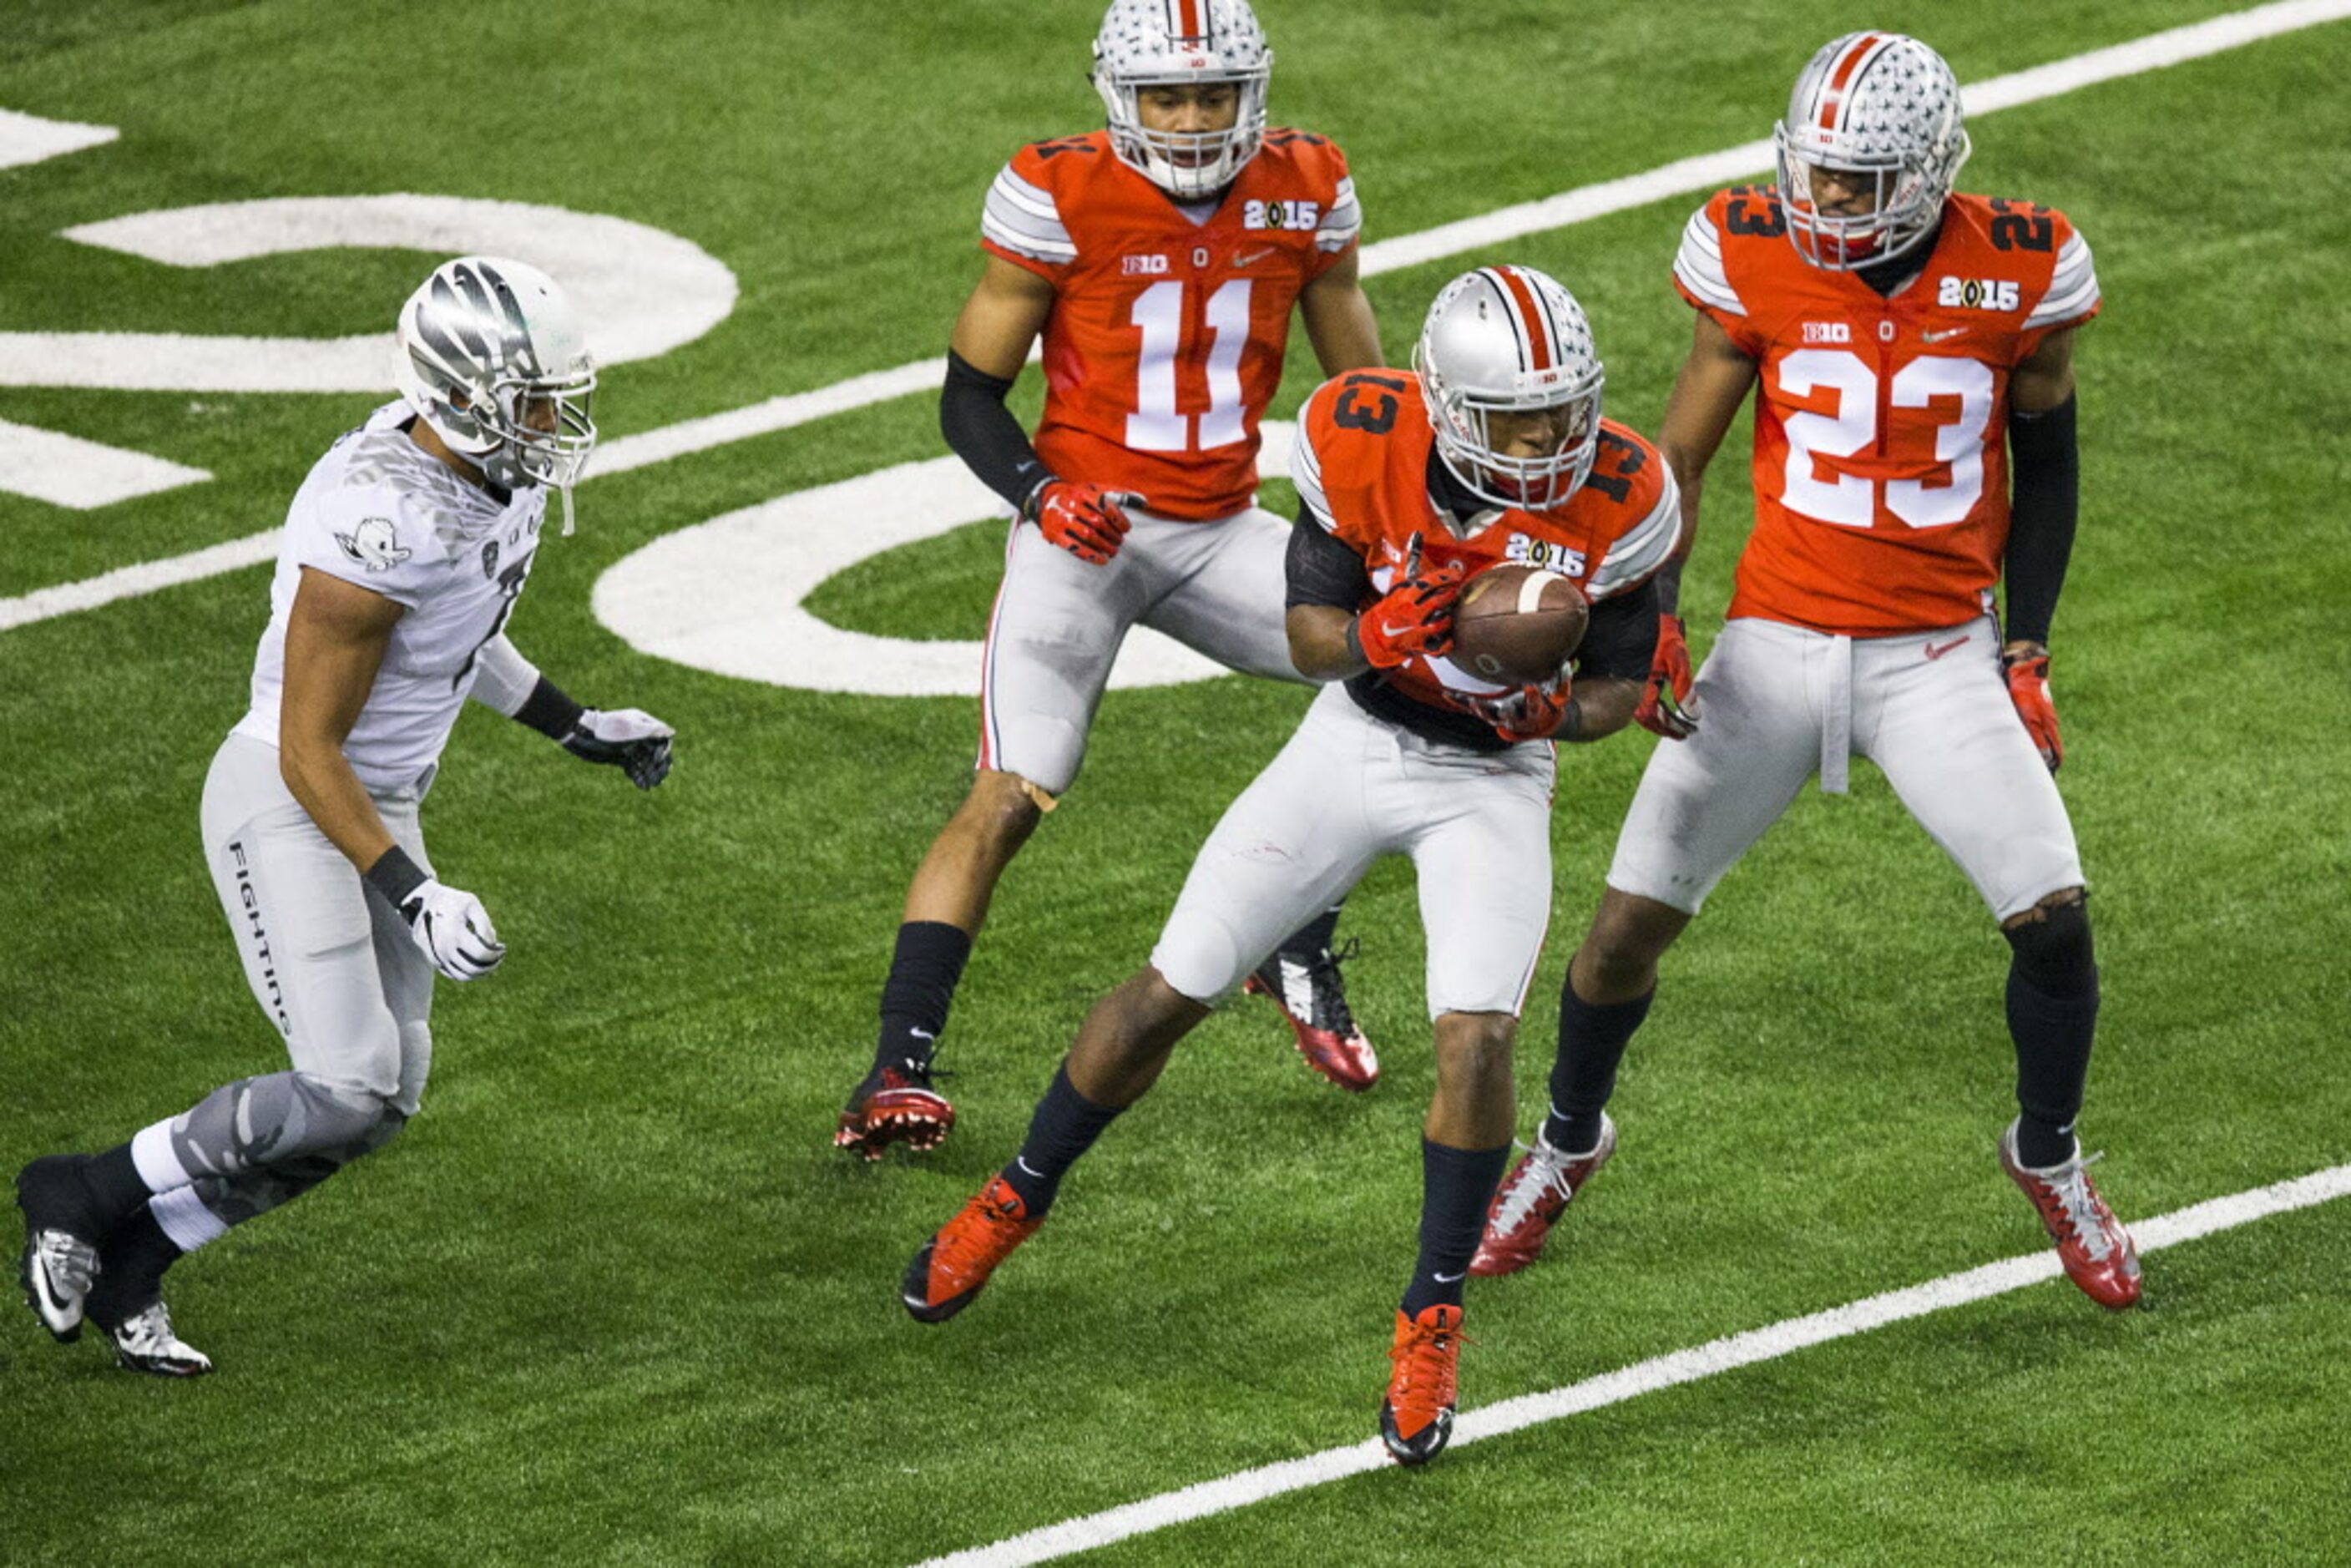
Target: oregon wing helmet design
[(1147, 43), (1510, 339), (1879, 105), (493, 357)]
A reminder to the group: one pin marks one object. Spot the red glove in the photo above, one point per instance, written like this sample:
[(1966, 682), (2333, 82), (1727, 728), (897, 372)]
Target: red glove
[(1530, 713), (1414, 617), (2028, 688), (1665, 707), (1084, 520)]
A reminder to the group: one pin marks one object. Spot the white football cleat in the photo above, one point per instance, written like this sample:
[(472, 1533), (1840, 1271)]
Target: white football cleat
[(57, 1269), (144, 1343)]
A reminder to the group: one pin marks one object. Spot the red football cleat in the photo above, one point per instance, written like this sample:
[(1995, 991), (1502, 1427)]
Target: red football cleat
[(2097, 1252), (1531, 1200), (1417, 1417), (1313, 999), (894, 1104), (955, 1263)]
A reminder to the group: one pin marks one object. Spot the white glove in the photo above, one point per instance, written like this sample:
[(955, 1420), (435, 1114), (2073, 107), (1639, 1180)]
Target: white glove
[(454, 929), (627, 738)]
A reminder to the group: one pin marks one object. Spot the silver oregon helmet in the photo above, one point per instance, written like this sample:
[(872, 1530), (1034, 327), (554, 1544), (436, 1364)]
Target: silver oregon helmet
[(1881, 106), (1151, 43), (492, 357), (1510, 339)]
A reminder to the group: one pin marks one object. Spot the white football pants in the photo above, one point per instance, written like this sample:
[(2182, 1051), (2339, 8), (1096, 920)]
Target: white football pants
[(1345, 791), (1217, 587), (1778, 704), (334, 969)]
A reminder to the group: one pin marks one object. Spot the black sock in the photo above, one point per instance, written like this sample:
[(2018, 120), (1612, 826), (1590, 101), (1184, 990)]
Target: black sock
[(1313, 939), (921, 988), (1591, 1042), (115, 1184), (2052, 1036), (1065, 1125), (1455, 1185), (135, 1258)]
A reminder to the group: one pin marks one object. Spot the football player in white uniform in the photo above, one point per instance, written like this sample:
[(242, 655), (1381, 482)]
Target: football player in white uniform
[(403, 554)]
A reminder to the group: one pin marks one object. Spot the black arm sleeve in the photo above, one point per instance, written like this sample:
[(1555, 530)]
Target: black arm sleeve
[(1321, 571), (2045, 506), (982, 432), (1622, 638)]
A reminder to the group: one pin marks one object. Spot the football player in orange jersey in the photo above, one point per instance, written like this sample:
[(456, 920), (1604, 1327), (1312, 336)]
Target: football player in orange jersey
[(1912, 347), (1491, 450), (1161, 260)]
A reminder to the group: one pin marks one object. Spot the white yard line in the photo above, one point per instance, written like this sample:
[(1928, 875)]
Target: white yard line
[(1230, 1492), (2151, 53)]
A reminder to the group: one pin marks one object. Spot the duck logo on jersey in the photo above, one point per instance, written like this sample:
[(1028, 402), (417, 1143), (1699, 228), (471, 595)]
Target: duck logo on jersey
[(374, 544), (1281, 214)]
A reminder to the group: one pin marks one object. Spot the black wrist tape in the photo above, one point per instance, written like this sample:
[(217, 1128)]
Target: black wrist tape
[(395, 877), (549, 711)]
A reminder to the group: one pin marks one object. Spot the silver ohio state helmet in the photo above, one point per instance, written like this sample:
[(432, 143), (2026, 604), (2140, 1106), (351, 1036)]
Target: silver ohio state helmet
[(1884, 107), (489, 350), (1510, 339), (1158, 43)]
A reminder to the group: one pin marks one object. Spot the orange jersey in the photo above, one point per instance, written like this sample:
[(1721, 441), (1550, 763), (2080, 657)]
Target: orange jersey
[(1361, 465), (1881, 449), (1165, 340)]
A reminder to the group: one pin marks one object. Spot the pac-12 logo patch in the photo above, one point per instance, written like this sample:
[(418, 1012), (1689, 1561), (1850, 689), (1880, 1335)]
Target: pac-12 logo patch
[(374, 544)]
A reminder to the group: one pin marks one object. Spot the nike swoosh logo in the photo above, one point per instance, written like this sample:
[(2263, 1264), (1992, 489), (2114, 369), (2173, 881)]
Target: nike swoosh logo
[(1255, 256), (1934, 652), (922, 1034), (1447, 1278), (1942, 336), (1025, 1166)]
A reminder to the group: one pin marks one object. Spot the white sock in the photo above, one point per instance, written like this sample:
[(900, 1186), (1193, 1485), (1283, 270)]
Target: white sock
[(183, 1218), (159, 1165)]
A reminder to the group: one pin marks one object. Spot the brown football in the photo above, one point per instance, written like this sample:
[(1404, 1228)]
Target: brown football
[(1518, 624)]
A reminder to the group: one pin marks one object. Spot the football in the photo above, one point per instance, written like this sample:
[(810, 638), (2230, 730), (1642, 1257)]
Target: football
[(1518, 624)]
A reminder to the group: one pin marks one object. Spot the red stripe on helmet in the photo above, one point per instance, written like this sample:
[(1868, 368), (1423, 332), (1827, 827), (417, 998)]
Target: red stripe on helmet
[(1189, 18), (1841, 75), (1535, 326)]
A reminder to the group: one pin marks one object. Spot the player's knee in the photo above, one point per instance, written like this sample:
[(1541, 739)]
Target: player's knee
[(343, 1110), (1004, 808), (1629, 934), (1475, 1046), (2052, 944)]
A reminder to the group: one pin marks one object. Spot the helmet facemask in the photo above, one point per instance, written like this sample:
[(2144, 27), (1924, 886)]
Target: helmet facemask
[(1881, 112), (1139, 47)]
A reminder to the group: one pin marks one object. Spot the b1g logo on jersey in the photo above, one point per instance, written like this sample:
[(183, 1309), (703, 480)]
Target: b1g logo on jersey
[(1978, 294), (1828, 332), (1545, 554), (1281, 214), (1144, 265)]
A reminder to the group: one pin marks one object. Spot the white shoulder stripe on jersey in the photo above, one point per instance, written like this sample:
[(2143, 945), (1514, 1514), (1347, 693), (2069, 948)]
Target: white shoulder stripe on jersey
[(1306, 476), (1022, 218), (1343, 222), (1699, 265), (2073, 289), (1645, 548)]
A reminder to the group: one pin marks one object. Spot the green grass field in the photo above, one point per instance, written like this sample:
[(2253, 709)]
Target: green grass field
[(614, 1298)]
